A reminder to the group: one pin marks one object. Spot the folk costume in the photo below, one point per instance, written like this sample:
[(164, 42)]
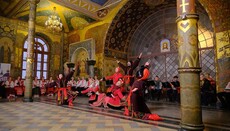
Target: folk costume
[(140, 109)]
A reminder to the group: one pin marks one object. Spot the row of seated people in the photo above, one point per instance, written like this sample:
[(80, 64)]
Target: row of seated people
[(156, 89), (83, 84), (11, 88)]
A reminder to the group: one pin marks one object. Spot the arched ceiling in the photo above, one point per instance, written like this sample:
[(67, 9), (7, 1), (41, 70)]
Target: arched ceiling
[(136, 11), (74, 14)]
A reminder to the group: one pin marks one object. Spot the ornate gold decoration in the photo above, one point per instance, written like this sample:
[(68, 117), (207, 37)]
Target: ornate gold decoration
[(29, 60), (184, 25), (102, 13), (183, 5)]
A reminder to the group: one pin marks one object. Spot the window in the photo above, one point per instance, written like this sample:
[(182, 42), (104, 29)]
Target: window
[(41, 57)]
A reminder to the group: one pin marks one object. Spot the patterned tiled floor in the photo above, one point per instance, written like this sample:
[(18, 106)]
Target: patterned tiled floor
[(37, 116), (46, 116)]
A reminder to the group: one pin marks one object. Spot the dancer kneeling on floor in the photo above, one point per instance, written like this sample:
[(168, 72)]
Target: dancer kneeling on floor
[(113, 96), (140, 109), (93, 90)]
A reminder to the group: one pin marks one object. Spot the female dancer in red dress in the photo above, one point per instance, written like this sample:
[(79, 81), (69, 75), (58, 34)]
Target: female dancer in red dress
[(114, 95)]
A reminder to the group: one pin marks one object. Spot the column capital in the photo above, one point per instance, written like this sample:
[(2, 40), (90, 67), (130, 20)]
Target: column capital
[(187, 16), (91, 62), (195, 70)]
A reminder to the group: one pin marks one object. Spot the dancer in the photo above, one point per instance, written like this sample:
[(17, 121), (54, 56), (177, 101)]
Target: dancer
[(114, 94), (140, 109), (129, 77), (115, 98), (62, 87), (92, 91)]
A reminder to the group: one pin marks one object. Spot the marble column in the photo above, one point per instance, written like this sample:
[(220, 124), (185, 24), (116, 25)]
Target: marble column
[(91, 64), (189, 67), (30, 51)]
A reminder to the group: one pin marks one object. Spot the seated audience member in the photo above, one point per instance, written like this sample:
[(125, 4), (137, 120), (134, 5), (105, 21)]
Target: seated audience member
[(42, 86), (176, 89), (2, 90), (224, 96), (168, 89), (213, 98), (158, 87), (36, 88), (9, 84), (50, 86), (150, 86), (72, 83), (205, 90), (19, 86), (82, 85)]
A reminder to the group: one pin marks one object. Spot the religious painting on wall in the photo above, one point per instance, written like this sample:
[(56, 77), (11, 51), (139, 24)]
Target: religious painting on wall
[(80, 53), (223, 45), (165, 45)]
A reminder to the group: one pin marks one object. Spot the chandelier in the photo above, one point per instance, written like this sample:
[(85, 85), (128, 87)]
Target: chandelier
[(54, 23)]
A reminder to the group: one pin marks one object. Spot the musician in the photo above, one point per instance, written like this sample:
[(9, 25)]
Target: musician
[(224, 97), (175, 89)]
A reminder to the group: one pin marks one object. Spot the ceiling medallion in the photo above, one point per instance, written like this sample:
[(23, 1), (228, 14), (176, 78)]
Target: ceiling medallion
[(102, 13)]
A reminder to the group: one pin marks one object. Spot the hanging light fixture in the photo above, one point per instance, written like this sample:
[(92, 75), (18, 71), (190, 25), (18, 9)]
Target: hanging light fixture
[(54, 23)]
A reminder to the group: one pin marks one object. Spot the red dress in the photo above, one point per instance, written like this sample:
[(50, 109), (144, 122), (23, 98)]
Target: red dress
[(114, 101), (115, 77), (19, 87), (93, 97)]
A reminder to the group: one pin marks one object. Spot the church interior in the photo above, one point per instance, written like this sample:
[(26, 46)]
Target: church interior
[(184, 39)]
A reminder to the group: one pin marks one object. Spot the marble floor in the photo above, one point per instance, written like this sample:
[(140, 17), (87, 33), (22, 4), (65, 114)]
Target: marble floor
[(45, 115)]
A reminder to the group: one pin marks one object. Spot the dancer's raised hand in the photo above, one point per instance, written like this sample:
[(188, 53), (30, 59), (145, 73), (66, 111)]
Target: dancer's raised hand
[(140, 55)]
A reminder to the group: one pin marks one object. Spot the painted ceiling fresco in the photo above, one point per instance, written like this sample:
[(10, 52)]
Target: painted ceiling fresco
[(74, 14), (100, 2)]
